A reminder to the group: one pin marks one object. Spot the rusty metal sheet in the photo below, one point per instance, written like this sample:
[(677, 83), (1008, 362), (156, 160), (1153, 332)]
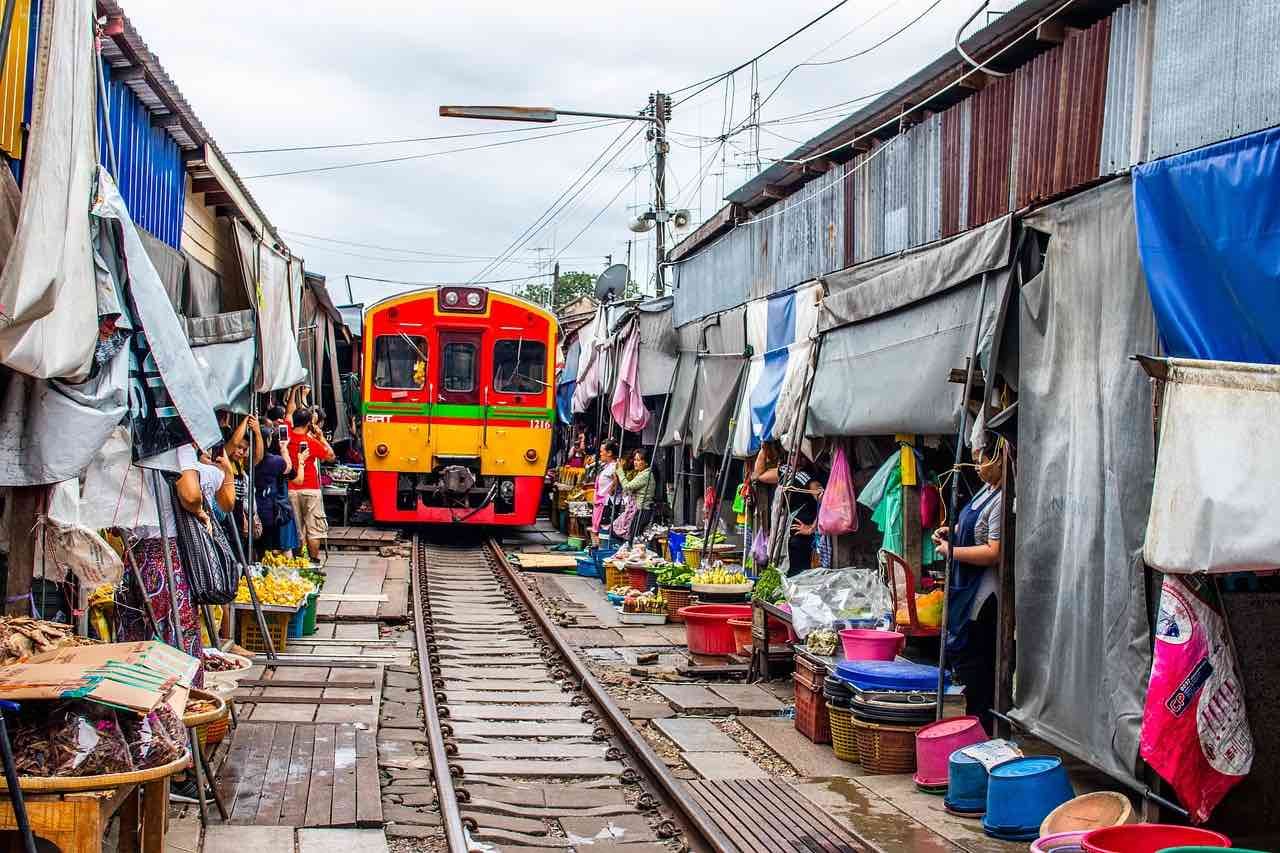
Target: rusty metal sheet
[(989, 154)]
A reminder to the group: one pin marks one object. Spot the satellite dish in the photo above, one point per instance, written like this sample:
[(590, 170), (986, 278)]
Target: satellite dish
[(612, 283), (680, 219)]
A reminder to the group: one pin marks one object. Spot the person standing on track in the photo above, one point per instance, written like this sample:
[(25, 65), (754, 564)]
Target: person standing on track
[(304, 488)]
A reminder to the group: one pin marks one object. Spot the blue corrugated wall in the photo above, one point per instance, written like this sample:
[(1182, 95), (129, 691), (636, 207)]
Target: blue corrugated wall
[(151, 176)]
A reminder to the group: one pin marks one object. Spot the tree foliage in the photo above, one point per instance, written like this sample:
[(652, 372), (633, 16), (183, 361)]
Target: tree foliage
[(571, 286)]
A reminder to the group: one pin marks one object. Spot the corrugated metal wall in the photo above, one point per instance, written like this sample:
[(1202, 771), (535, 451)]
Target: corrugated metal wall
[(13, 91), (1127, 25), (957, 129), (800, 237), (1215, 72), (991, 150), (151, 176), (1057, 116)]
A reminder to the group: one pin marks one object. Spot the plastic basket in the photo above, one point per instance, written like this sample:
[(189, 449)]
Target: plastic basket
[(613, 576), (309, 621), (843, 743), (885, 749), (638, 578), (250, 638), (812, 718), (809, 672)]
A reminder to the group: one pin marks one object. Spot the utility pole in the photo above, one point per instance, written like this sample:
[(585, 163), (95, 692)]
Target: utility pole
[(555, 286), (661, 105)]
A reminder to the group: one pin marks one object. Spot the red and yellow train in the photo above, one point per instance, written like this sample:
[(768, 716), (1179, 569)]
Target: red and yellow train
[(459, 404)]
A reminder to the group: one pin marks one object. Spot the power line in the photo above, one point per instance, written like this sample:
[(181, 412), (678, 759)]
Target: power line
[(601, 212), (447, 283), (338, 166), (442, 255), (399, 141)]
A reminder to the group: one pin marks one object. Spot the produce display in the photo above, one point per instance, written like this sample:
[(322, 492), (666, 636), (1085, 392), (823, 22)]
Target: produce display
[(646, 602), (821, 642), (22, 636), (199, 706), (625, 590), (277, 590), (768, 586), (219, 663), (674, 574), (693, 542), (151, 739), (72, 739), (281, 560), (720, 576)]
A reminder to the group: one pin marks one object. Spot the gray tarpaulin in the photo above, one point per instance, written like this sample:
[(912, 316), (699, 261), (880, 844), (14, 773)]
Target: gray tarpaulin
[(688, 338), (204, 291), (227, 371), (267, 272), (890, 374), (878, 287), (658, 345), (219, 328), (1085, 468), (712, 281), (721, 366), (170, 264)]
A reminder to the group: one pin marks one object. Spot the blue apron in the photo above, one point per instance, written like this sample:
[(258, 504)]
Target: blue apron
[(965, 577)]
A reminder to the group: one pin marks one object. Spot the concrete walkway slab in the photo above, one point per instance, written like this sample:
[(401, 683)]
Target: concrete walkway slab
[(694, 699), (695, 734), (725, 765), (749, 699), (224, 838), (809, 759), (341, 841)]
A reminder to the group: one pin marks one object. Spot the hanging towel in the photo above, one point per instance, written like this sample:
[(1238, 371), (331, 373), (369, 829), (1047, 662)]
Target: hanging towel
[(628, 407)]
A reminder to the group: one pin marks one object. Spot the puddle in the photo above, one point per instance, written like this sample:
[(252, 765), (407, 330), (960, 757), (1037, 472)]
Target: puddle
[(875, 819)]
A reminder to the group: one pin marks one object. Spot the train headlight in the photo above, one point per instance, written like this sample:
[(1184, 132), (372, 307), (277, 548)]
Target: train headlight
[(507, 490), (451, 297), (381, 451), (473, 299), (531, 455)]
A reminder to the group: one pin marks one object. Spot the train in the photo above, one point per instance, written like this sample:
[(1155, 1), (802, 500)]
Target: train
[(458, 406)]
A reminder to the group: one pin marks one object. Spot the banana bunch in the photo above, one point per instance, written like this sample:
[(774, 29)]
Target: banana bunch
[(276, 590), (721, 577), (281, 560)]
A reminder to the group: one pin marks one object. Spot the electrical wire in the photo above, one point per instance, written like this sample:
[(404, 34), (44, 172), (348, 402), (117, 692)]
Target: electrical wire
[(978, 66), (338, 166), (444, 255), (447, 283), (403, 140), (601, 212)]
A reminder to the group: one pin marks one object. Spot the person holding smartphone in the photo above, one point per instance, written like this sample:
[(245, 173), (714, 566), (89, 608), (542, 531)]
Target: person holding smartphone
[(307, 447)]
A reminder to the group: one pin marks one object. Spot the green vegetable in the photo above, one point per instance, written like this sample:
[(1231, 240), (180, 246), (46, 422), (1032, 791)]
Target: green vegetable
[(674, 574), (768, 587)]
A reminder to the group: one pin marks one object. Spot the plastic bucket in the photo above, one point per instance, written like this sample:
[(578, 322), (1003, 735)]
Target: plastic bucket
[(1208, 850), (309, 620), (587, 567), (1151, 838), (1059, 842), (296, 622), (1020, 795), (675, 544), (870, 644), (741, 633), (935, 743), (966, 785), (707, 629)]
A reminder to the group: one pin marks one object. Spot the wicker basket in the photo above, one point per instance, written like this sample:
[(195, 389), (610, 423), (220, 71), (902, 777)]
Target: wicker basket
[(813, 720), (843, 743), (885, 749), (677, 597), (212, 734), (613, 576)]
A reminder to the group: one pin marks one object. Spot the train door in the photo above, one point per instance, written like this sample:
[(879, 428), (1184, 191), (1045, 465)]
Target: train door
[(459, 380)]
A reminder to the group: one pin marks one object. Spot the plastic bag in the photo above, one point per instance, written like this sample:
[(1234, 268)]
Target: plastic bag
[(838, 512), (760, 548), (151, 742), (1195, 733), (821, 598), (72, 739)]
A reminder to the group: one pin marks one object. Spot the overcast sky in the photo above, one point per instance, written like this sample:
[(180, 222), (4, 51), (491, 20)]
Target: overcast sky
[(263, 75)]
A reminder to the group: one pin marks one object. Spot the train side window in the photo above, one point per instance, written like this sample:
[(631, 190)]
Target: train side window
[(519, 367), (400, 362), (459, 366)]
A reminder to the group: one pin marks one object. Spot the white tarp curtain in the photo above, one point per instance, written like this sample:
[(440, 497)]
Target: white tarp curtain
[(1213, 506), (1084, 476), (228, 373), (49, 321), (267, 272), (781, 330)]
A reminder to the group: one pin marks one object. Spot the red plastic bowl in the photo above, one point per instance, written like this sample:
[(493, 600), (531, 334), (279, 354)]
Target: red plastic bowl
[(707, 629), (1150, 838)]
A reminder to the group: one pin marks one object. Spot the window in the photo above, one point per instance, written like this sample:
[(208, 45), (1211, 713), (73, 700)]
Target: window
[(400, 362), (459, 360), (519, 367)]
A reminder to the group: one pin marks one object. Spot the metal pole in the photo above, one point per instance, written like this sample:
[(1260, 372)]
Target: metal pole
[(351, 299), (555, 288), (102, 93), (723, 475), (953, 509), (661, 104), (6, 29), (11, 772)]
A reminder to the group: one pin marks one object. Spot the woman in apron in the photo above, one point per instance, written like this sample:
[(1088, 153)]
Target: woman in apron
[(971, 592), (606, 480)]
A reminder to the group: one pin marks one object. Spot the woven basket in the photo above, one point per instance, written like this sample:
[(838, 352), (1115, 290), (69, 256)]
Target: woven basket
[(613, 576), (212, 734), (885, 749), (677, 597), (843, 743)]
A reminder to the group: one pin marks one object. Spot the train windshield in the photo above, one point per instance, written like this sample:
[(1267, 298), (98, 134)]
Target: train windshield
[(519, 367), (459, 362), (400, 362)]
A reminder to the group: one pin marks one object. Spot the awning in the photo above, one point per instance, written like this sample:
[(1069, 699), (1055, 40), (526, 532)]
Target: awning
[(688, 339), (658, 345), (780, 330), (721, 365), (279, 364)]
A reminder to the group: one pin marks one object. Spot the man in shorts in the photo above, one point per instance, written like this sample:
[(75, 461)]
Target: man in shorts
[(307, 447)]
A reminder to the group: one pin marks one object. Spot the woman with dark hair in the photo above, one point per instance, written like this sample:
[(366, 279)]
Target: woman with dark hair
[(638, 487), (606, 480)]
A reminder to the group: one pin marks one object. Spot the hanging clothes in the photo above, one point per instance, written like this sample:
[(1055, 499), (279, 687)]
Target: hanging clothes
[(883, 496), (627, 406)]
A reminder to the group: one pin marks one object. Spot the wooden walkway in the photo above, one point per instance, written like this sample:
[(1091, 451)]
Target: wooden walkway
[(361, 537), (362, 587)]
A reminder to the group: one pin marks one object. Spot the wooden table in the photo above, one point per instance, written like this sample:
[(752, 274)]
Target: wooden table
[(73, 813)]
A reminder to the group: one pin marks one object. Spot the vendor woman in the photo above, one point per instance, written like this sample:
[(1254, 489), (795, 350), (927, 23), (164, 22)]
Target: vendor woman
[(606, 480), (804, 492), (971, 604)]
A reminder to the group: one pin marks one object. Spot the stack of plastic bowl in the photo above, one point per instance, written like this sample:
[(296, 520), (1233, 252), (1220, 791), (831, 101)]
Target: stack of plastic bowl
[(1096, 810), (1151, 838), (966, 786), (934, 745), (1059, 842), (1020, 795)]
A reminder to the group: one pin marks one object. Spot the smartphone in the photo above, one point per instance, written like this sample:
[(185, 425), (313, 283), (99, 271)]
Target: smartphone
[(283, 432), (303, 445)]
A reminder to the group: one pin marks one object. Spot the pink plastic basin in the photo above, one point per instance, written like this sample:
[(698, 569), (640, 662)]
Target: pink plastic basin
[(1059, 842), (869, 644), (1150, 838), (707, 630), (935, 743)]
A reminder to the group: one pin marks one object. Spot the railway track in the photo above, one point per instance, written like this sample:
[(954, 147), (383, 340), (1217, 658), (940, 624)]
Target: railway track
[(523, 740)]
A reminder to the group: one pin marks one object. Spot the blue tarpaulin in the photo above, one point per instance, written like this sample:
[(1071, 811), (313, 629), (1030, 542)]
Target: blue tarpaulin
[(1209, 235)]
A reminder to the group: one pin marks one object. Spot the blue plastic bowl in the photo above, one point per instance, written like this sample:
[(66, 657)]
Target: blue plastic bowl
[(966, 785), (889, 675), (1020, 795)]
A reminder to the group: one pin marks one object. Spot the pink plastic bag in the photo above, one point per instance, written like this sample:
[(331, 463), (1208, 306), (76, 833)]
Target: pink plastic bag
[(1194, 730), (838, 513)]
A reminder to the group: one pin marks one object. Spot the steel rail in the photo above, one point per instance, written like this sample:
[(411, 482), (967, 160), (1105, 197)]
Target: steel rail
[(450, 815), (701, 831)]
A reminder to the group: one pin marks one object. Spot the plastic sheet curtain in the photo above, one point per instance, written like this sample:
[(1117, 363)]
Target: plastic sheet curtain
[(1210, 242), (566, 382), (658, 345), (592, 364), (780, 331), (721, 365), (203, 296), (49, 326), (688, 339), (267, 272), (1084, 479), (170, 264)]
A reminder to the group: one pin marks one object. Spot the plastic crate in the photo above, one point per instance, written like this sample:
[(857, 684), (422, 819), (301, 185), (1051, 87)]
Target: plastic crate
[(249, 637), (843, 742), (810, 672), (613, 576), (812, 718)]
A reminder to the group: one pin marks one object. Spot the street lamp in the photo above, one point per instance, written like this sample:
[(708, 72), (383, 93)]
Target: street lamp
[(657, 113)]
